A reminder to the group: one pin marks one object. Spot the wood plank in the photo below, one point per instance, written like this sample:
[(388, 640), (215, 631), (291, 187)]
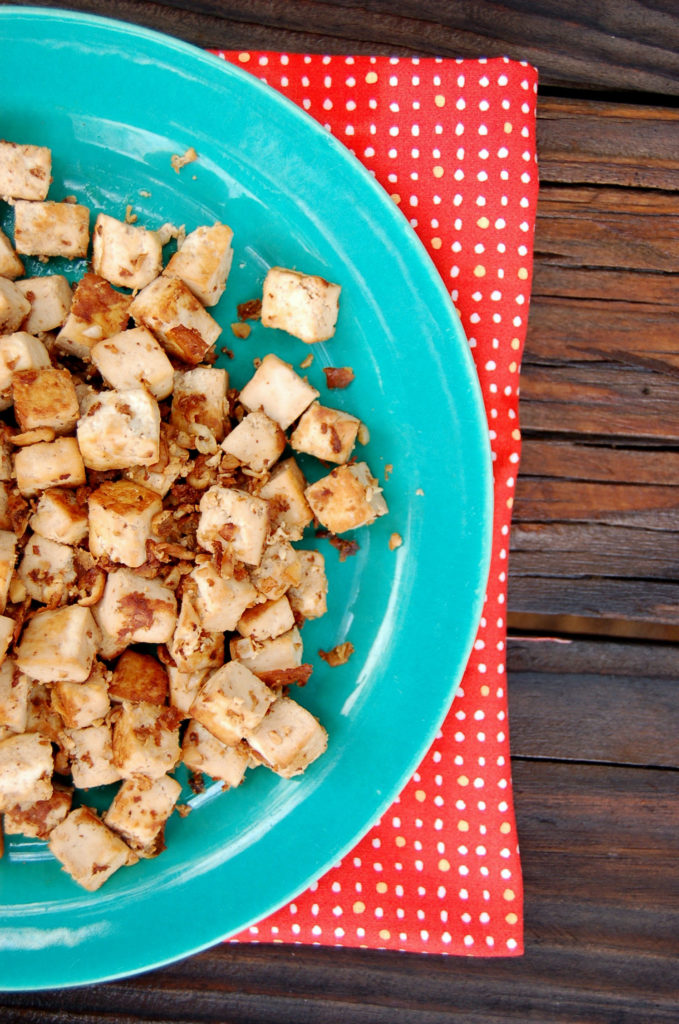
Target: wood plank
[(574, 461), (571, 551), (632, 600), (544, 499), (598, 702)]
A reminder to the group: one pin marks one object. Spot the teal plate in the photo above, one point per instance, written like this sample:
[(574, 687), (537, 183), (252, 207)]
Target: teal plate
[(115, 102)]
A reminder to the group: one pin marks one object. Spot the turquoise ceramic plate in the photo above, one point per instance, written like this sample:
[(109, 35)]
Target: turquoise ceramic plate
[(114, 103)]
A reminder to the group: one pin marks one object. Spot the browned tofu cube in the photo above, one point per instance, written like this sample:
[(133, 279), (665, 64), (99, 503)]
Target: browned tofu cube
[(47, 569), (235, 521), (194, 648), (119, 429), (120, 521), (231, 701), (347, 498), (25, 170), (139, 677), (328, 434), (82, 704), (50, 298), (98, 311), (59, 643), (49, 464), (278, 390), (267, 620), (41, 716), (308, 598), (304, 305), (13, 696), (179, 321), (14, 306), (59, 516), (88, 850), (257, 442), (135, 610), (289, 511), (45, 398), (266, 656), (288, 738), (203, 752), (90, 753), (203, 262), (39, 818), (18, 351), (140, 810), (127, 255), (51, 229), (10, 264), (26, 767), (199, 402), (278, 571), (145, 740)]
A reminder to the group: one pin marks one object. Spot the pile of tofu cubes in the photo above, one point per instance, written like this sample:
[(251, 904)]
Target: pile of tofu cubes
[(151, 598)]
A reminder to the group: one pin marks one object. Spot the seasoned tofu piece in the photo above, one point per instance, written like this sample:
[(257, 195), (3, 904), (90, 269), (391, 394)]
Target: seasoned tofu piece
[(10, 264), (7, 559), (51, 229), (120, 521), (6, 467), (266, 621), (5, 491), (347, 498), (120, 429), (203, 262), (220, 600), (199, 402), (49, 464), (329, 434), (140, 810), (134, 610), (25, 171), (14, 687), (234, 520), (45, 397), (145, 739), (18, 351), (50, 298), (88, 850), (276, 389), (257, 442), (97, 312), (308, 598), (38, 819), (173, 462), (59, 643), (179, 321), (127, 255), (26, 767), (82, 704), (231, 701), (276, 655), (184, 688), (304, 305), (139, 677), (288, 739), (194, 648), (60, 517), (14, 306), (203, 752), (90, 754), (278, 570), (134, 359), (289, 511), (6, 635), (47, 569)]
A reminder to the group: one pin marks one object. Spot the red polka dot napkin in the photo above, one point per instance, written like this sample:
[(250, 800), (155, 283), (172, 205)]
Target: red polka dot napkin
[(453, 142)]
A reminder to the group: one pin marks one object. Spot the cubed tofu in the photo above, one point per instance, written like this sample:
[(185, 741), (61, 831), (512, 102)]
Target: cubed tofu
[(184, 687), (288, 739), (41, 716), (5, 491), (120, 429), (199, 402), (14, 687), (139, 677), (45, 397), (7, 559), (231, 701), (38, 819), (347, 498), (203, 262), (59, 643), (60, 517), (14, 306), (304, 305), (289, 511), (51, 229), (6, 635), (140, 810), (48, 464), (88, 850), (267, 620), (25, 170), (127, 255), (329, 434), (194, 648), (308, 598), (220, 600), (97, 312), (179, 321), (159, 476), (134, 359), (120, 521), (234, 520), (277, 655), (257, 442), (50, 298), (145, 740), (47, 570), (18, 351), (136, 610), (26, 767), (90, 754), (276, 389), (82, 704), (10, 264), (278, 570), (203, 752)]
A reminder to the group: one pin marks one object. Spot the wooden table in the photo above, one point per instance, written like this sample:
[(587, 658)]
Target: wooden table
[(594, 581)]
